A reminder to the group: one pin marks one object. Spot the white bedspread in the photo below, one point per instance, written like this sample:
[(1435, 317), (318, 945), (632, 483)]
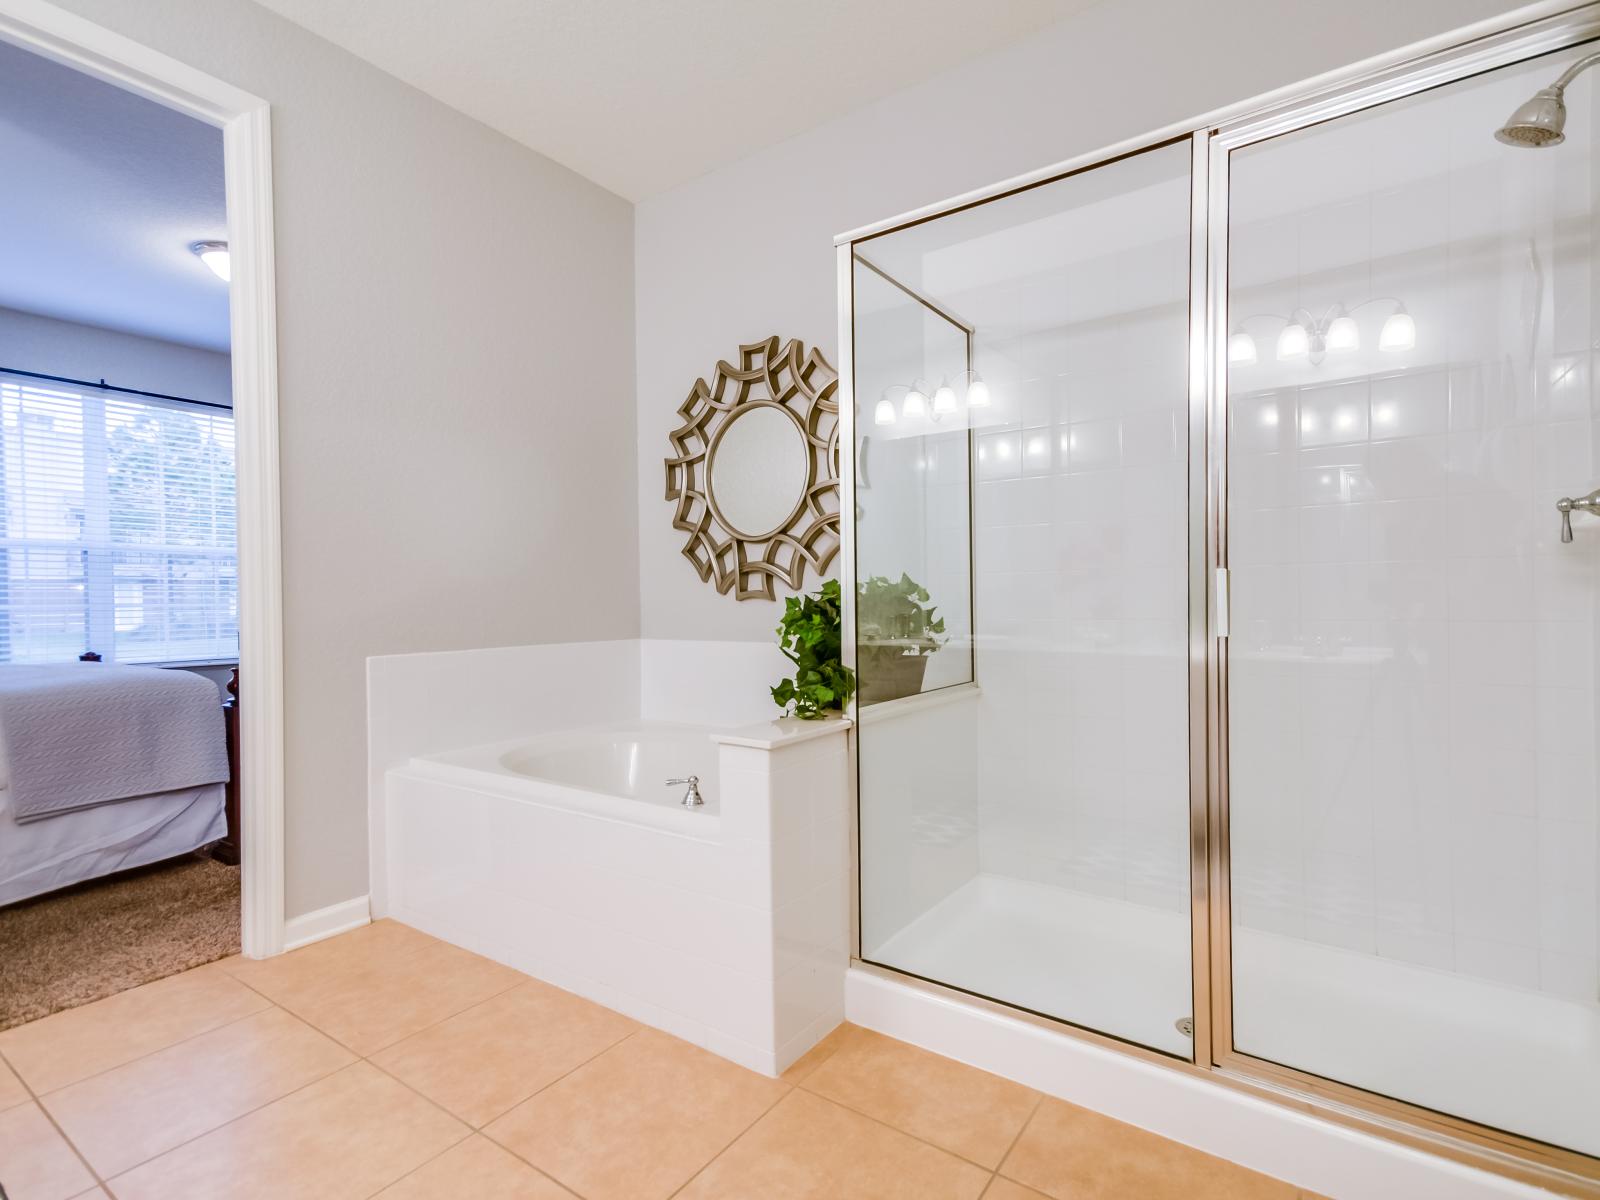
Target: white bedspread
[(81, 734), (40, 856)]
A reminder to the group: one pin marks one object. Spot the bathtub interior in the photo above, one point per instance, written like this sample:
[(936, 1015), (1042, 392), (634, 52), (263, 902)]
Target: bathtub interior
[(635, 763)]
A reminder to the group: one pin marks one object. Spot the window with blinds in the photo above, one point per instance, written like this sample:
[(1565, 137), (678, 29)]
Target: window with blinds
[(117, 532)]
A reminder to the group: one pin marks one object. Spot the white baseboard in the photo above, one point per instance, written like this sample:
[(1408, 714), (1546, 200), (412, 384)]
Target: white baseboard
[(1304, 1150), (325, 922)]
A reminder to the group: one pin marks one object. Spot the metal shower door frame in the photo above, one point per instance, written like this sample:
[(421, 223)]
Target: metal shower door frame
[(1514, 37), (1507, 1153)]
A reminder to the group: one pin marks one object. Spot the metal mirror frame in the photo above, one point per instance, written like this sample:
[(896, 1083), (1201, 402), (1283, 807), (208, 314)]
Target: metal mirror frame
[(772, 374)]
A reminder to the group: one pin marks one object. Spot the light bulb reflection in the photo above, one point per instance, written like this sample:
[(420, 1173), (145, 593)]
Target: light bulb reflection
[(1293, 342), (1399, 333)]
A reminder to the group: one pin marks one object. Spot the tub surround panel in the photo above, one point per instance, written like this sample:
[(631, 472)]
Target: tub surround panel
[(424, 703), (719, 683), (727, 927), (736, 941)]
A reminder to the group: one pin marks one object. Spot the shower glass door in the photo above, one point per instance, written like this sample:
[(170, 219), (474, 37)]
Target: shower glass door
[(1411, 672), (1021, 391)]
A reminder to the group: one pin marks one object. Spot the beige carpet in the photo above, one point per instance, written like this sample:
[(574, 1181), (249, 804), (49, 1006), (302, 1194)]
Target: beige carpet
[(105, 936)]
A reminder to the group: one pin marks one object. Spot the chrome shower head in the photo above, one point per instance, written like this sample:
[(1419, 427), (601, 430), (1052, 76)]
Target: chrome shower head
[(1541, 121), (1537, 123)]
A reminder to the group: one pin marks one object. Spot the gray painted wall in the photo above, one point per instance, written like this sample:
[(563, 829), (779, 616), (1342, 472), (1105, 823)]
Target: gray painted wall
[(33, 343), (747, 251), (455, 318)]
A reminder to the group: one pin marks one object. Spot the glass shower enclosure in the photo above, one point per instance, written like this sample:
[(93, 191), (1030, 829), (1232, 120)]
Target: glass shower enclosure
[(1227, 680)]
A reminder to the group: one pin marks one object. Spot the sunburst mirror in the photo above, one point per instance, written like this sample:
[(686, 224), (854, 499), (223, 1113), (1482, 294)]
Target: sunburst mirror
[(754, 470)]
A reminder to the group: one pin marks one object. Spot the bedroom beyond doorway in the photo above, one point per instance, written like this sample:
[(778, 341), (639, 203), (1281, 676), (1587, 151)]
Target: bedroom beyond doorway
[(120, 824)]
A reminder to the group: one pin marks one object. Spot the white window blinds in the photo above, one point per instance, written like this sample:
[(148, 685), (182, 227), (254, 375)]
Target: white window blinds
[(117, 529)]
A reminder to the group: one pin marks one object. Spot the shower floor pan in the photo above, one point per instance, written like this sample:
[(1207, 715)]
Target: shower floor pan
[(1508, 1057)]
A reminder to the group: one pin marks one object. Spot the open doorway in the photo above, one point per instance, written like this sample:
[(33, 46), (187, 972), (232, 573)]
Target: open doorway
[(120, 815)]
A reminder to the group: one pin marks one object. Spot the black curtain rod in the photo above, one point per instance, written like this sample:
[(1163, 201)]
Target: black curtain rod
[(103, 386)]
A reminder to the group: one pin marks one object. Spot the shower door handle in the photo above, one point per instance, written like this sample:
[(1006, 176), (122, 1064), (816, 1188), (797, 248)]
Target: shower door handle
[(1565, 505)]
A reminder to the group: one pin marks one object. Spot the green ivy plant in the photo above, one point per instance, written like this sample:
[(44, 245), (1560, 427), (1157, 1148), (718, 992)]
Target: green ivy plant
[(890, 610), (810, 636)]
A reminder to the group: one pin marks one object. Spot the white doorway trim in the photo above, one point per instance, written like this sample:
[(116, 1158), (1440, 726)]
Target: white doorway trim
[(247, 150)]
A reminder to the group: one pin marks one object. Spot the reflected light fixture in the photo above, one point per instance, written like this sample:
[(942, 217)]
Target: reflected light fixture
[(215, 256), (1343, 334), (916, 401), (1293, 341), (883, 411), (944, 400), (1241, 348), (1399, 332), (978, 392)]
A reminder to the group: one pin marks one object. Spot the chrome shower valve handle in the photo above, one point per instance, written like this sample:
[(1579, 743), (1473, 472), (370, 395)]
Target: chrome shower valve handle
[(1565, 505)]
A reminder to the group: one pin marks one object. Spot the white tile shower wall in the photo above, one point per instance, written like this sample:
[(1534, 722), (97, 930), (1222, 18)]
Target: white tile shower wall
[(1081, 580), (424, 703), (1413, 667)]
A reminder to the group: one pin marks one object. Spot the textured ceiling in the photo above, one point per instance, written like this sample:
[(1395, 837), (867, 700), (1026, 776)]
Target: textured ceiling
[(641, 96), (104, 193)]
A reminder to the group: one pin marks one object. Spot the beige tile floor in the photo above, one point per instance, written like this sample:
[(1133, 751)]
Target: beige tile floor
[(386, 1063)]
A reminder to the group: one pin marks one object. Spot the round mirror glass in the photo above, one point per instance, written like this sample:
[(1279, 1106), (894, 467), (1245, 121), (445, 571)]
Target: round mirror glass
[(759, 466)]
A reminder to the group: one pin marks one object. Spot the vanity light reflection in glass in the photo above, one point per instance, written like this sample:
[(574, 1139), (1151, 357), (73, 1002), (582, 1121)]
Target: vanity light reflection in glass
[(1336, 332), (916, 403)]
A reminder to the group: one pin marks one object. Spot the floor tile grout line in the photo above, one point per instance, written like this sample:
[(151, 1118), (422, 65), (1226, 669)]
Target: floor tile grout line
[(789, 1090), (1021, 1129), (918, 1137), (378, 1049), (54, 1124), (239, 1116), (234, 1120), (452, 1016), (152, 1053), (541, 1090), (511, 1150)]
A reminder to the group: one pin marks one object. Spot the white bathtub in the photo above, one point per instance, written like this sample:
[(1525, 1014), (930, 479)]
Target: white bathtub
[(567, 856), (617, 773)]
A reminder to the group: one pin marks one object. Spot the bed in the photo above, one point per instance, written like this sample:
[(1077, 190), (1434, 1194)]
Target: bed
[(106, 767)]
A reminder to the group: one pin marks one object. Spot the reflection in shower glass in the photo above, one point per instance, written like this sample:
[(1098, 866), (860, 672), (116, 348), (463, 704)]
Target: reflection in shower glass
[(1021, 383), (1412, 665)]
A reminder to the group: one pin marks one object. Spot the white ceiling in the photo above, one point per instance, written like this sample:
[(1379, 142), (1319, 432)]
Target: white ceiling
[(104, 193), (640, 97)]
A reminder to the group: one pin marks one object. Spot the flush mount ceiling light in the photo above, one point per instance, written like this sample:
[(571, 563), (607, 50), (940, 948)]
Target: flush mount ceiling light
[(215, 256)]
